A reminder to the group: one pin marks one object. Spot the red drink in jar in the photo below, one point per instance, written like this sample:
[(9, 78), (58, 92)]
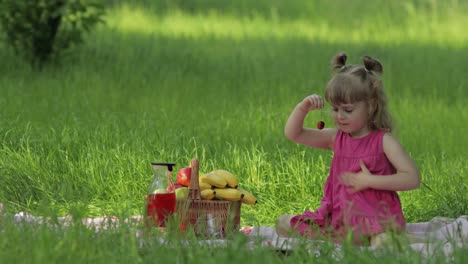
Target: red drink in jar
[(159, 206)]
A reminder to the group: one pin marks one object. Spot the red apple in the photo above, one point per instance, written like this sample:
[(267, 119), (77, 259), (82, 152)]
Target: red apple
[(184, 175), (176, 186)]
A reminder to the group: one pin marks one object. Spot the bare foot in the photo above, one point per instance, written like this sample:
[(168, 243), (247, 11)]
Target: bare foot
[(379, 240), (384, 239), (283, 226)]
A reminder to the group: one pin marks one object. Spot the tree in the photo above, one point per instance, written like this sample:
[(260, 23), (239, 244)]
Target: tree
[(40, 30)]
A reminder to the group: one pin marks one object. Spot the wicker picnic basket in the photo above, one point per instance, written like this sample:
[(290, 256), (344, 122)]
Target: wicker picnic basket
[(207, 217)]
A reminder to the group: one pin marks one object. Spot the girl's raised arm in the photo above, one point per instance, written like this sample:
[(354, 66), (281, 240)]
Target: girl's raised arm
[(295, 130)]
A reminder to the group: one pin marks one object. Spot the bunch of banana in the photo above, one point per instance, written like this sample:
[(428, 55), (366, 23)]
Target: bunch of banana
[(230, 178), (204, 186), (248, 197), (223, 185), (228, 194), (208, 194), (214, 180)]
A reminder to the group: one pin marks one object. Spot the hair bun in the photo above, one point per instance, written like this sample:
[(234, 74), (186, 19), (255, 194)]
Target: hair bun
[(339, 60), (372, 65)]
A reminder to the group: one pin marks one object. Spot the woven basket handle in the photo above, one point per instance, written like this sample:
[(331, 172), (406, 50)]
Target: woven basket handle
[(194, 187)]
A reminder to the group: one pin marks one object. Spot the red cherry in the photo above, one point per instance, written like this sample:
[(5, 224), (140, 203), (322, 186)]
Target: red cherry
[(320, 124)]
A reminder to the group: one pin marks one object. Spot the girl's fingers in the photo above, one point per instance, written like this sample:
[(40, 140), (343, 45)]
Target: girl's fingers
[(344, 179), (320, 103), (315, 101), (363, 166), (352, 190)]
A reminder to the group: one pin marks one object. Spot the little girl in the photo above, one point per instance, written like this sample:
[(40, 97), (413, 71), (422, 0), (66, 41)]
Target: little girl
[(368, 167)]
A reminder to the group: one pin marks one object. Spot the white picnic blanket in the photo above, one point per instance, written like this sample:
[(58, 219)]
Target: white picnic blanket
[(441, 234)]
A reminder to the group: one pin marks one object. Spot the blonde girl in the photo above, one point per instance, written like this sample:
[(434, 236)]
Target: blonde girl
[(369, 165)]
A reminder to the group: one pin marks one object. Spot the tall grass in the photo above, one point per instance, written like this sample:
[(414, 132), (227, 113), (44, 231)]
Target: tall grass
[(172, 80)]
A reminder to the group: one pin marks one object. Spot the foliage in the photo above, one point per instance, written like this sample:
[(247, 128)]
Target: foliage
[(39, 30), (173, 84)]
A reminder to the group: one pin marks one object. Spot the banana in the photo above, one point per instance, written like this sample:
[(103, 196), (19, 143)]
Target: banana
[(214, 180), (231, 179), (207, 194), (204, 186), (247, 198), (228, 194)]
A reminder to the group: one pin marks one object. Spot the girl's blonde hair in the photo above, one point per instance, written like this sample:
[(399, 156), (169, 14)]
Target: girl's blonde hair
[(354, 83)]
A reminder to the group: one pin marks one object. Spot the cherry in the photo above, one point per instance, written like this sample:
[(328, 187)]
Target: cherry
[(320, 124)]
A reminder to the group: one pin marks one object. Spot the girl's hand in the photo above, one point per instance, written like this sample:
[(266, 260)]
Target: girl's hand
[(311, 102), (357, 181)]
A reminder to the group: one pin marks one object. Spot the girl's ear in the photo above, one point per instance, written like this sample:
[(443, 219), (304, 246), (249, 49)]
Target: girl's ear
[(372, 65), (338, 61)]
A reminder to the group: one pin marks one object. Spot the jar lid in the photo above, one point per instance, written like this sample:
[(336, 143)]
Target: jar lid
[(169, 165)]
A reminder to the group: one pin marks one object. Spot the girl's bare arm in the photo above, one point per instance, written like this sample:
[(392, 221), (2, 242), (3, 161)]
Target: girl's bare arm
[(295, 130), (406, 177)]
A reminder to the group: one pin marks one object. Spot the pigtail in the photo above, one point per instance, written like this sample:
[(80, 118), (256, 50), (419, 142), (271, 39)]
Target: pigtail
[(339, 61), (372, 65), (380, 118)]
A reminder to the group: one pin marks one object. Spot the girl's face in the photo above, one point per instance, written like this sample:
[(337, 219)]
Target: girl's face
[(351, 118)]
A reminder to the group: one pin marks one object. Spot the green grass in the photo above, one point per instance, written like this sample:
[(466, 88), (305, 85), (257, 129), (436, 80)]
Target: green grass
[(217, 80)]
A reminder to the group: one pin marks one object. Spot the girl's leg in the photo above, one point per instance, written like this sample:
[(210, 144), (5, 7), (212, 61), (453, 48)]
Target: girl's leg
[(283, 225), (379, 240), (383, 239), (415, 239)]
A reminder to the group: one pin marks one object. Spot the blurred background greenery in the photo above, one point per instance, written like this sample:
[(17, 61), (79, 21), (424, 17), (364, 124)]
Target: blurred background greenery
[(172, 80)]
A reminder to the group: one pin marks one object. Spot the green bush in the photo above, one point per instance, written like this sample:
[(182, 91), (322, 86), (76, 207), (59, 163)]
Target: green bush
[(40, 30)]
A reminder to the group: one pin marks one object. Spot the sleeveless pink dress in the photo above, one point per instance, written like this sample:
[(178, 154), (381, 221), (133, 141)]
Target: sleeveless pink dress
[(364, 213)]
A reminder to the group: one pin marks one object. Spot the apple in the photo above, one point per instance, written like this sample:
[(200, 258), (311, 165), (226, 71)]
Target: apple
[(159, 191), (181, 193), (184, 175), (176, 186)]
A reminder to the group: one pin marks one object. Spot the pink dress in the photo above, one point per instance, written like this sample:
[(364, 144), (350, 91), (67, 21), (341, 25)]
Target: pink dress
[(364, 213)]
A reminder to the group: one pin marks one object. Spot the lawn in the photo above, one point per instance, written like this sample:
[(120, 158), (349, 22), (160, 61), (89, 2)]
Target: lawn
[(172, 80)]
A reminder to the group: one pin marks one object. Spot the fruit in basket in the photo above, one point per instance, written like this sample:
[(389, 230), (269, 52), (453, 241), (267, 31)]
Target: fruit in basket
[(177, 185), (248, 197), (204, 186), (183, 176), (228, 194), (213, 179), (230, 178), (181, 193), (207, 194), (159, 191)]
